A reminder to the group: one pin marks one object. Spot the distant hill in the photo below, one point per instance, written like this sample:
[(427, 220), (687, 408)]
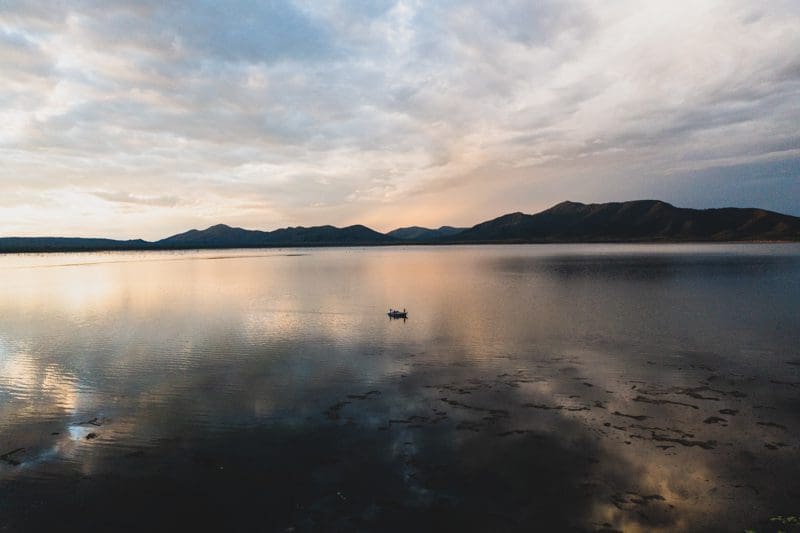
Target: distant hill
[(67, 244), (419, 234), (637, 221), (222, 236)]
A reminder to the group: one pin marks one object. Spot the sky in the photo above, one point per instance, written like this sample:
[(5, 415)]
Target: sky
[(144, 118)]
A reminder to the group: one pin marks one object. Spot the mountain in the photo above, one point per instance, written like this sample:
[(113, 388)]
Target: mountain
[(219, 236), (67, 244), (222, 236), (419, 234), (330, 236), (636, 221)]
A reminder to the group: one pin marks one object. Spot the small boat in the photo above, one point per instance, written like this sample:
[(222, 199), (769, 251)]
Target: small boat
[(395, 313)]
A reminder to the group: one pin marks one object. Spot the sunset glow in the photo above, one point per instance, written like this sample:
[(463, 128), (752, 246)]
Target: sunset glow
[(141, 119)]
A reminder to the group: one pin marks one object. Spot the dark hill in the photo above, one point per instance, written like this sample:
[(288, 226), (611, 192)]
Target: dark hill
[(637, 221), (219, 236), (222, 236), (419, 234), (67, 244)]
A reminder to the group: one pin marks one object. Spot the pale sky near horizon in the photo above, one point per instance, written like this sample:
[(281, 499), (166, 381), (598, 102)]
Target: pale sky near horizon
[(127, 119)]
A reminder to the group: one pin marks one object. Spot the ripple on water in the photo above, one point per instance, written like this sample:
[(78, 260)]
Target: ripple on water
[(519, 369)]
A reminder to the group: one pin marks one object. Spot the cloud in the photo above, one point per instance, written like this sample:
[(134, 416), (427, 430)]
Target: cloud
[(127, 198), (365, 106)]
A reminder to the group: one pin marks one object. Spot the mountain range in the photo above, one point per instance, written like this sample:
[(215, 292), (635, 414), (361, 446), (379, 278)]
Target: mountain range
[(419, 234), (635, 221)]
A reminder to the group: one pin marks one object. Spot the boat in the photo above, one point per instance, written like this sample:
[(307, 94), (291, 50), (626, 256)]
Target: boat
[(395, 313)]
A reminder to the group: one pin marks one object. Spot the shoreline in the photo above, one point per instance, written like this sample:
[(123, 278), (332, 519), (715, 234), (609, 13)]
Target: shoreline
[(50, 250)]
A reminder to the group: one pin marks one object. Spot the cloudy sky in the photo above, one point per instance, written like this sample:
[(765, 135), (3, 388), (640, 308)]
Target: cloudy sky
[(129, 118)]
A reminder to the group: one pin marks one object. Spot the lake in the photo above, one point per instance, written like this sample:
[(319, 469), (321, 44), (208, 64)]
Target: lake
[(535, 387)]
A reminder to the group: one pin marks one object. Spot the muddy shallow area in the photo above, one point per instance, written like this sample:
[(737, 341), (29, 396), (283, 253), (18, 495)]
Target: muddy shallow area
[(568, 388)]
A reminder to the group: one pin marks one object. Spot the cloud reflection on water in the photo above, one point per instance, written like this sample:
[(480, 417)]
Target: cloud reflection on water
[(504, 402)]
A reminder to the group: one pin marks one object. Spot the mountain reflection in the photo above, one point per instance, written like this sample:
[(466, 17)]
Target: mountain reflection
[(642, 390)]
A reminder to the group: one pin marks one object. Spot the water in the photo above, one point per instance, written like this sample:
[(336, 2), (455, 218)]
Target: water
[(576, 387)]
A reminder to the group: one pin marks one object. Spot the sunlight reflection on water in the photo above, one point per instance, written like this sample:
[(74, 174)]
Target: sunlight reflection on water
[(642, 387)]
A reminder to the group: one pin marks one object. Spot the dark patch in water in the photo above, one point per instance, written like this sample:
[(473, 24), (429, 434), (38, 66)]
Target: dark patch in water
[(554, 407), (772, 425), (645, 399), (635, 417), (8, 457), (706, 445)]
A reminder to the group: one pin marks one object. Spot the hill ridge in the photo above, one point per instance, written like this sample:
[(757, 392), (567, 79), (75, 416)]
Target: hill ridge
[(568, 221), (634, 221)]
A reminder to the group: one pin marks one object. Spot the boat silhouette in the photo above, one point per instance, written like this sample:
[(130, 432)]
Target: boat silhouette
[(396, 313)]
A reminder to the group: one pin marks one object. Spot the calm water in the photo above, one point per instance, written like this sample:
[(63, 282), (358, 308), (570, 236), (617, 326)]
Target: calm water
[(532, 388)]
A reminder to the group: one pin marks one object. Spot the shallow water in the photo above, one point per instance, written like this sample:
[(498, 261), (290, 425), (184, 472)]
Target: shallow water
[(575, 387)]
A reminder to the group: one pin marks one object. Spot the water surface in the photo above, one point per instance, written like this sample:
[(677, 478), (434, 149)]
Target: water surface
[(575, 387)]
